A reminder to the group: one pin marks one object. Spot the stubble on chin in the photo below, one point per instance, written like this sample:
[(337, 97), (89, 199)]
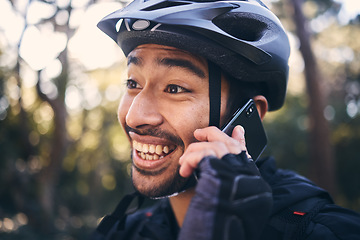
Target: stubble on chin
[(155, 185)]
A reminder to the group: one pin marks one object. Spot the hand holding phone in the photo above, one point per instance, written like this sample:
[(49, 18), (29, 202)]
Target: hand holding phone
[(255, 136)]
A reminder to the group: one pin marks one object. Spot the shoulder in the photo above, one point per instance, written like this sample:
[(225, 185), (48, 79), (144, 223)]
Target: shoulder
[(302, 210), (314, 219), (334, 222)]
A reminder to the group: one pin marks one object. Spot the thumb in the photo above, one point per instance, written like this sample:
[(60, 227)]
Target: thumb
[(239, 134)]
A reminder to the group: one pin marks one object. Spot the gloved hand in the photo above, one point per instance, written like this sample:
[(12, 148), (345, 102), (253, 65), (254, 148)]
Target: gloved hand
[(232, 201)]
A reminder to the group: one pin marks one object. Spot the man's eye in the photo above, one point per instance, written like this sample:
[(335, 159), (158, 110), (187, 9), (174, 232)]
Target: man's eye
[(131, 84), (175, 89)]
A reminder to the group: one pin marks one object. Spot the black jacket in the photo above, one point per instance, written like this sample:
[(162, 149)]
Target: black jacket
[(301, 210)]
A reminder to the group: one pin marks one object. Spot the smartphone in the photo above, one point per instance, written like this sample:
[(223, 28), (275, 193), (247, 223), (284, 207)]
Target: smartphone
[(255, 136)]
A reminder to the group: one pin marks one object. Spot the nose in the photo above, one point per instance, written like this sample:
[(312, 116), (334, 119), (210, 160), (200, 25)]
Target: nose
[(143, 111)]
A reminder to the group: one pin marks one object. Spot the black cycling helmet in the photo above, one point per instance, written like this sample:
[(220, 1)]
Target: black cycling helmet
[(243, 37)]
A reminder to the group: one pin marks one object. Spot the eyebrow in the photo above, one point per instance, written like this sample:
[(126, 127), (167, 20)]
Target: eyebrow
[(170, 62), (134, 60), (182, 63)]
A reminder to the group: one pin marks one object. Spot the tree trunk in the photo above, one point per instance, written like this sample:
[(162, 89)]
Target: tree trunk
[(322, 169), (50, 175)]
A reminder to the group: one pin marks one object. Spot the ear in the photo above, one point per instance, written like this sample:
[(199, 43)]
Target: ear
[(261, 105)]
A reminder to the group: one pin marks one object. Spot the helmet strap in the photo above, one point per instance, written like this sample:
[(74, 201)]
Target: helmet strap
[(214, 94)]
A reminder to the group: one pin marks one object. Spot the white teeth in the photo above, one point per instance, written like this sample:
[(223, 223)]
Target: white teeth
[(166, 150), (158, 149), (150, 151), (137, 146), (145, 148), (152, 148)]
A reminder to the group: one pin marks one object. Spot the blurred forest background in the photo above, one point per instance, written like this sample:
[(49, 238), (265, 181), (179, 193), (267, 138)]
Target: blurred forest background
[(64, 160)]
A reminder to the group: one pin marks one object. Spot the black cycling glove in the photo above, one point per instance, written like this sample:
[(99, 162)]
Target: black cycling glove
[(232, 201)]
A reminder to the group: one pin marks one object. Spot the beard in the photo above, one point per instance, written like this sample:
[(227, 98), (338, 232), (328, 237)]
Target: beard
[(166, 187)]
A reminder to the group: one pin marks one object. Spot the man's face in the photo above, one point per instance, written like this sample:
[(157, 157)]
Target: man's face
[(167, 99)]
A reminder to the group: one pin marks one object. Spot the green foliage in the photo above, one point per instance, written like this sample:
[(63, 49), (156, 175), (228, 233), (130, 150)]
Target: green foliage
[(286, 130), (91, 175)]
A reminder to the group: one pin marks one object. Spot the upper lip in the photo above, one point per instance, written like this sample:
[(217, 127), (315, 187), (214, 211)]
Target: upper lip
[(147, 139)]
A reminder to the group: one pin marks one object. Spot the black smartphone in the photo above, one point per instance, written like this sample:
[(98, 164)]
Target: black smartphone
[(255, 136)]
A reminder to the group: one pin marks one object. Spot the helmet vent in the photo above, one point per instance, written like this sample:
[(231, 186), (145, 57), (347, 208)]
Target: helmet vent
[(163, 5), (241, 25)]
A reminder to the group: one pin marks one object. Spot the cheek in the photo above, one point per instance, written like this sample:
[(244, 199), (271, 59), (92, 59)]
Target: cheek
[(225, 91), (185, 119), (123, 109)]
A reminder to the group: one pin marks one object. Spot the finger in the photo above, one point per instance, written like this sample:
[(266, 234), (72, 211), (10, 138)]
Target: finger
[(234, 144), (239, 134), (207, 134), (197, 151), (217, 149), (212, 134), (190, 160)]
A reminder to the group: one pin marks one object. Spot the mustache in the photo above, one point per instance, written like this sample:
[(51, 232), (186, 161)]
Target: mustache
[(156, 132)]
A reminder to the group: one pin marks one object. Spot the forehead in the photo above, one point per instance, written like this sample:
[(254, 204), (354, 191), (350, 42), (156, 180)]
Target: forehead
[(152, 51)]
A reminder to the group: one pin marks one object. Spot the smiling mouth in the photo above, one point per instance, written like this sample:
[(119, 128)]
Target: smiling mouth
[(152, 151)]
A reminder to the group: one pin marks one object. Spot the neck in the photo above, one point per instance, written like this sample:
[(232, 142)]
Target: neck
[(180, 204)]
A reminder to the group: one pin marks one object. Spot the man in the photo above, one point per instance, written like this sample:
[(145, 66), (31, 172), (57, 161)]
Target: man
[(191, 65)]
